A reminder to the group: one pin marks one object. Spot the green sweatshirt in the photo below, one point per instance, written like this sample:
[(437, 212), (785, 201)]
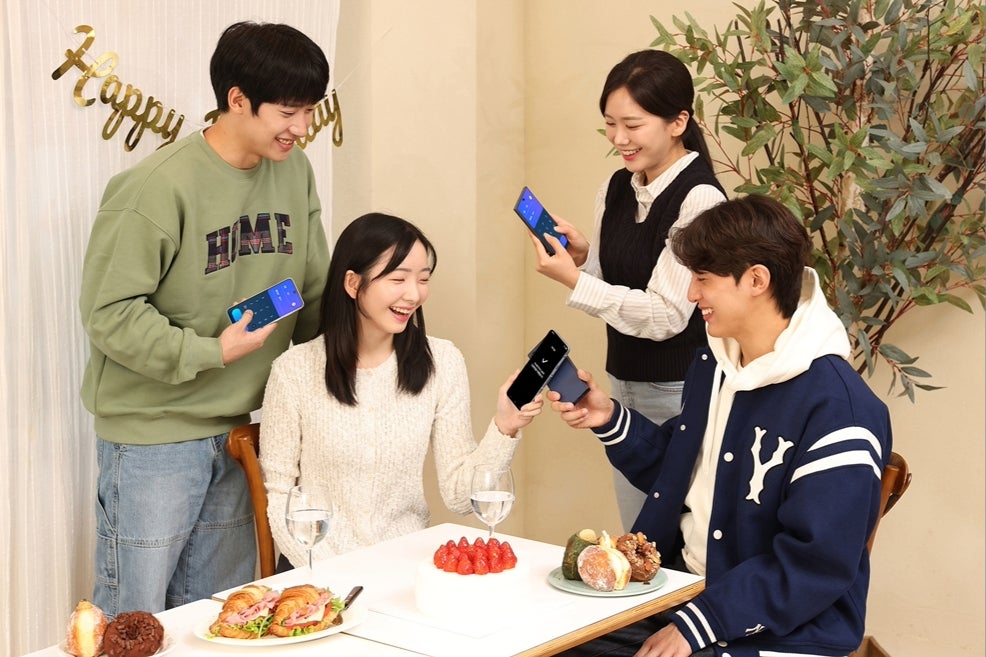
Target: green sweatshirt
[(178, 239)]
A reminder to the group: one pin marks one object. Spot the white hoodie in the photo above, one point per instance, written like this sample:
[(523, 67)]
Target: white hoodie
[(814, 331)]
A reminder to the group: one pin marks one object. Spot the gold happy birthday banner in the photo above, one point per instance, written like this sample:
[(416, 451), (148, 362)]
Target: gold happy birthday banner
[(128, 102)]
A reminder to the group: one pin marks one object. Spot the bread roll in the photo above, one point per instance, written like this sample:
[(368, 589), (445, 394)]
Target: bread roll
[(86, 627), (603, 567)]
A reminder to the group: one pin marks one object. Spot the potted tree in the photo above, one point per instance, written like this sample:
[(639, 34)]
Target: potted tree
[(866, 119)]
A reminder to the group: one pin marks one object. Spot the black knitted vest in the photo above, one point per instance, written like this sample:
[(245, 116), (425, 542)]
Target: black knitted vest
[(628, 253)]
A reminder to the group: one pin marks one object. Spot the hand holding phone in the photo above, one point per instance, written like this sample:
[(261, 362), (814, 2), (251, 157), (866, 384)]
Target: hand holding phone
[(537, 219), (541, 365), (565, 381), (274, 303)]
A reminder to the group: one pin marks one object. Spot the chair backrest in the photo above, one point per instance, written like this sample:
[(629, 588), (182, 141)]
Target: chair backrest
[(894, 482), (244, 445), (896, 479)]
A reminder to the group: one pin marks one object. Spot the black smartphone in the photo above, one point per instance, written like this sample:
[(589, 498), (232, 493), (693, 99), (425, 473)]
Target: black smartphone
[(566, 382), (537, 219), (274, 303), (541, 365)]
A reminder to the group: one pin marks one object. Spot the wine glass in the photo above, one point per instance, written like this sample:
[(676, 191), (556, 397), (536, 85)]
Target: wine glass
[(492, 494), (307, 516)]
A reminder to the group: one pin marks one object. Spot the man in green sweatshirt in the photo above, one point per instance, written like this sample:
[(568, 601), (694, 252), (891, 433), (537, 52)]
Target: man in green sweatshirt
[(189, 231)]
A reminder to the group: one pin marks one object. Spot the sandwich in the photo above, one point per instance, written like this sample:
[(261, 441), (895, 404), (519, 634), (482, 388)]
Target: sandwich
[(305, 609), (247, 613)]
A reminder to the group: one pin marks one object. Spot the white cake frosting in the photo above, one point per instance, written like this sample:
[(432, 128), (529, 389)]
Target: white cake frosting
[(449, 595)]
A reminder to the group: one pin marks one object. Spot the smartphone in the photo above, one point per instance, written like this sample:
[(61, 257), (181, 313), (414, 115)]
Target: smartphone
[(541, 365), (272, 304), (566, 382), (537, 219)]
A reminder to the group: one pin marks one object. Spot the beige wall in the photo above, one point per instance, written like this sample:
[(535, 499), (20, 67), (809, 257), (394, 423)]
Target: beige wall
[(449, 107)]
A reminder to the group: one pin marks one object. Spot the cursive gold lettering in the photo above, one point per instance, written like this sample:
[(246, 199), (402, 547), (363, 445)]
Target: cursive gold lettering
[(126, 101), (328, 112)]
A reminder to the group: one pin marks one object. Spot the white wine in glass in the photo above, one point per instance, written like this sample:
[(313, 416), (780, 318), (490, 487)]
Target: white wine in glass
[(492, 494), (307, 516)]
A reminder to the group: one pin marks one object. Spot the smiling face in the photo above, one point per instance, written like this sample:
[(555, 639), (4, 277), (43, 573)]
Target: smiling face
[(387, 303), (647, 143), (723, 302), (272, 132)]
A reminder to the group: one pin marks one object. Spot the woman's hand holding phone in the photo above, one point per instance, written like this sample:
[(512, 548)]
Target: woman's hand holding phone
[(559, 267), (509, 419), (578, 245)]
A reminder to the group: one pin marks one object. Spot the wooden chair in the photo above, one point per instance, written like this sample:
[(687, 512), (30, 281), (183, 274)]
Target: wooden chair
[(244, 445), (896, 478)]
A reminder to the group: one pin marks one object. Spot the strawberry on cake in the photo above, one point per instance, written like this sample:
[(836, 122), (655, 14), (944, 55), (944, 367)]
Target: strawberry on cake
[(467, 579)]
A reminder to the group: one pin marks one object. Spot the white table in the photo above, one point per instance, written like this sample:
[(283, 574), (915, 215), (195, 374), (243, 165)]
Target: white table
[(546, 622)]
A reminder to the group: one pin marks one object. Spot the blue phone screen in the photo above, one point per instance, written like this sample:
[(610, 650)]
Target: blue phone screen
[(270, 305), (537, 218)]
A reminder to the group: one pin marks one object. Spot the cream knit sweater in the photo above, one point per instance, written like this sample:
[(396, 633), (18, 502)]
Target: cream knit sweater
[(369, 456)]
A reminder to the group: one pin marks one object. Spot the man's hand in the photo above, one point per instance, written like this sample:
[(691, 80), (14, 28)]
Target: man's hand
[(236, 341), (593, 410), (666, 642)]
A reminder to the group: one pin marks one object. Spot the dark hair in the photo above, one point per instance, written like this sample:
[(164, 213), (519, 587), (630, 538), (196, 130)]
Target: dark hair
[(270, 63), (661, 84), (359, 248), (729, 238)]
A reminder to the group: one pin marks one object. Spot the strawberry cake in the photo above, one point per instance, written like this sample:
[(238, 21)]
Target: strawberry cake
[(468, 580)]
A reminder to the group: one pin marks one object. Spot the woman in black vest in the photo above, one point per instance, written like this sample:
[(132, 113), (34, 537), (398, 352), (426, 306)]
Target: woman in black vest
[(626, 277)]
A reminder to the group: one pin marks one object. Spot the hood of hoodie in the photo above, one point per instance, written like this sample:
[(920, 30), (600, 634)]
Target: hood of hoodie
[(814, 331)]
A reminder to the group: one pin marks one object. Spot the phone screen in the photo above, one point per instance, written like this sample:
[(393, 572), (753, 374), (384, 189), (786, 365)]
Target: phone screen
[(538, 220), (547, 356), (269, 306)]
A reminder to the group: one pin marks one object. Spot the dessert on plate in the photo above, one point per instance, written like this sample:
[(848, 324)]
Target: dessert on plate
[(605, 564), (464, 579)]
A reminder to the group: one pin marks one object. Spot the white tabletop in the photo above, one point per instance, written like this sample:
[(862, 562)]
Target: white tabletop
[(391, 626)]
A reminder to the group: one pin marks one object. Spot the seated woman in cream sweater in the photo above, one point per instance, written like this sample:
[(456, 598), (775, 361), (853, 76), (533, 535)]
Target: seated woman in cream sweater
[(357, 408)]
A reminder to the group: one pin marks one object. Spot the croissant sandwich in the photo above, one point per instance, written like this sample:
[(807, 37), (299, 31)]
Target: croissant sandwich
[(305, 609), (247, 613)]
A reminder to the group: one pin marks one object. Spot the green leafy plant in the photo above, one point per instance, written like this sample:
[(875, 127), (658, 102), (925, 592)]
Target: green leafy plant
[(865, 118)]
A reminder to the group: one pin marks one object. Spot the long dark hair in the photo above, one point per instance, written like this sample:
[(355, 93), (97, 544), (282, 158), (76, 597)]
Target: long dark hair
[(361, 246), (661, 84)]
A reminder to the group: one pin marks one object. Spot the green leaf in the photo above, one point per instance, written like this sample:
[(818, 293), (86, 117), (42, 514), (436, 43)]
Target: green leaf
[(890, 352), (910, 370), (957, 301)]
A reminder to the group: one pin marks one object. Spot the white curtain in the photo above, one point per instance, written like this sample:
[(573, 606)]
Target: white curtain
[(55, 166)]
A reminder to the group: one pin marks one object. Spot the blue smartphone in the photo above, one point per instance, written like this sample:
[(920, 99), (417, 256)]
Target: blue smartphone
[(566, 382), (274, 303), (537, 219)]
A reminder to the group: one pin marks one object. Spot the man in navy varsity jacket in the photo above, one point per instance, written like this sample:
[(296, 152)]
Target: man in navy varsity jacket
[(768, 482)]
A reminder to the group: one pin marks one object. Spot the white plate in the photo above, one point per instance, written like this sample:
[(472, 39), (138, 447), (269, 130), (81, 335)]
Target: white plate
[(352, 617), (166, 646), (556, 579)]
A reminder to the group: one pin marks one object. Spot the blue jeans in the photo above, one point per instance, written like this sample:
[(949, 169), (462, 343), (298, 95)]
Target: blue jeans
[(658, 402), (174, 524)]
